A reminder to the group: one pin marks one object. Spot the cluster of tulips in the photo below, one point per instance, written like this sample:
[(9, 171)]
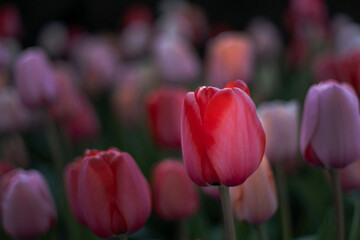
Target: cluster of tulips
[(129, 94)]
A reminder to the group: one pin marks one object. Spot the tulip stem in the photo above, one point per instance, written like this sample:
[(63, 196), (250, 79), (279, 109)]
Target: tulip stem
[(260, 232), (227, 213), (182, 233), (338, 202), (122, 236), (283, 201)]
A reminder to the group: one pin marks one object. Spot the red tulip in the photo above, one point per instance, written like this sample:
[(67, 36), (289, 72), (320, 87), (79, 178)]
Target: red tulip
[(255, 200), (27, 207), (108, 192), (281, 125), (175, 196), (222, 138), (34, 78), (164, 110), (330, 132), (229, 56)]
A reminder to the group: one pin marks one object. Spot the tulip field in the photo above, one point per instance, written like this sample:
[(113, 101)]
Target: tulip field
[(178, 127)]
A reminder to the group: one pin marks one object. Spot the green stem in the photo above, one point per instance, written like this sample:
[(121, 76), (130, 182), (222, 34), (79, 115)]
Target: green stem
[(182, 233), (339, 211), (122, 236), (227, 213), (355, 230), (283, 201), (260, 232)]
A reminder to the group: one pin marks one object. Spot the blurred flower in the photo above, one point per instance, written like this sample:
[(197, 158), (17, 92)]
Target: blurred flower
[(27, 207), (34, 78), (350, 177), (15, 116), (83, 124), (280, 121), (175, 196), (346, 34), (266, 38), (229, 56), (222, 138), (14, 151), (255, 201), (9, 51), (137, 13), (164, 111), (326, 66), (5, 167), (10, 22), (135, 39), (53, 38), (211, 191), (175, 58), (108, 192), (330, 131)]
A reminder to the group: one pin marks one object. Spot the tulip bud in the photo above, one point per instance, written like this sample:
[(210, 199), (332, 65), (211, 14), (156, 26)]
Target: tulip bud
[(176, 59), (229, 56), (108, 192), (221, 136), (34, 78), (175, 196), (27, 207), (255, 200), (350, 177), (280, 122), (330, 131), (164, 110)]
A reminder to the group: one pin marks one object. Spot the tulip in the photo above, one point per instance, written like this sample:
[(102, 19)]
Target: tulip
[(164, 110), (280, 122), (135, 39), (175, 196), (34, 78), (229, 56), (5, 167), (175, 58), (349, 177), (326, 66), (222, 138), (330, 126), (108, 192), (27, 207), (255, 201), (10, 21)]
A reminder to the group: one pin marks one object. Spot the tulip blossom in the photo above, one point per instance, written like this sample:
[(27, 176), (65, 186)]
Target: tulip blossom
[(175, 196), (221, 135), (350, 177), (108, 192), (164, 110), (34, 78), (280, 123), (255, 200), (330, 131), (27, 207), (229, 56)]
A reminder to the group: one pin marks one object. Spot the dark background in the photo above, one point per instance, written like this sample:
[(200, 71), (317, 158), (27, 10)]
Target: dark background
[(105, 15)]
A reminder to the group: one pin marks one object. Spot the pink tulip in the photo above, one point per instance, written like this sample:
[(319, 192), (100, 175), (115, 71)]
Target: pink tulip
[(255, 201), (221, 136), (330, 131), (27, 207), (34, 78), (229, 56), (280, 121), (175, 196), (175, 58), (350, 177), (108, 192), (164, 110)]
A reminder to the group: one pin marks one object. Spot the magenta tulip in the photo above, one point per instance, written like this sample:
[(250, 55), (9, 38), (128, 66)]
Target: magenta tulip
[(27, 207), (330, 132), (222, 138), (108, 192)]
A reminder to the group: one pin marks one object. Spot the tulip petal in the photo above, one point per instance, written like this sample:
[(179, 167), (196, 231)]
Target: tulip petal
[(234, 138)]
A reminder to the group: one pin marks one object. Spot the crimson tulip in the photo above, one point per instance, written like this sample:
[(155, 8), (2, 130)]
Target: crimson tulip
[(175, 196), (330, 131), (108, 192), (255, 201), (164, 110), (27, 207), (222, 138)]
